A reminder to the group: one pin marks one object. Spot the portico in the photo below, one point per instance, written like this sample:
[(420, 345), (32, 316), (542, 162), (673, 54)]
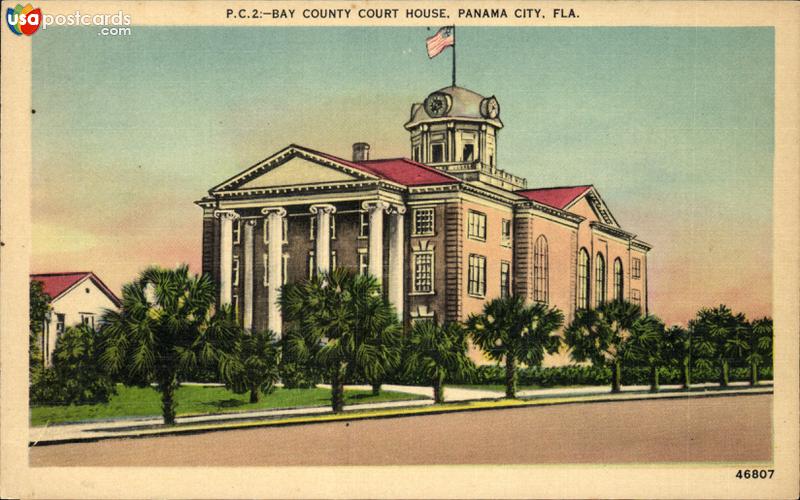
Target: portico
[(284, 234)]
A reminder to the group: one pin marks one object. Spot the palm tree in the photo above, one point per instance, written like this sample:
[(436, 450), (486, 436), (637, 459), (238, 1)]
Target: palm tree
[(721, 334), (167, 323), (436, 353), (601, 336), (759, 339), (678, 349), (343, 318), (647, 345), (255, 366), (508, 329), (379, 317)]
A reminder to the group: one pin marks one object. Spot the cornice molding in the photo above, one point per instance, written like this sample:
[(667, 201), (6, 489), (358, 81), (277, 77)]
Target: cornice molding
[(612, 230), (546, 209)]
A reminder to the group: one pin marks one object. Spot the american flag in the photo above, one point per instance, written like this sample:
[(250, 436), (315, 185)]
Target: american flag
[(441, 40)]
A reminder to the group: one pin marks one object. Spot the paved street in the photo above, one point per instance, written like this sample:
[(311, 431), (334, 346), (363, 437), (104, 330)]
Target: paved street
[(731, 428), (132, 426)]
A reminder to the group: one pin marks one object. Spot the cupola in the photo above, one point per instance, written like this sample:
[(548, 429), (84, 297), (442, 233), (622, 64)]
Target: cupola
[(455, 130)]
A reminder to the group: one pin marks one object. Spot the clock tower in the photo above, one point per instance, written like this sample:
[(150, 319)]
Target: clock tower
[(455, 130)]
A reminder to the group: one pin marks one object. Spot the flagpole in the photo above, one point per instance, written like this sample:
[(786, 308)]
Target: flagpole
[(454, 55)]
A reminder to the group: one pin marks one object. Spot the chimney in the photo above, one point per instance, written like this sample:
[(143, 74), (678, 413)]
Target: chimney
[(360, 151)]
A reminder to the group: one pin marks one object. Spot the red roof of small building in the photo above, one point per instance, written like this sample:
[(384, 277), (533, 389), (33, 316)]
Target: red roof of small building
[(556, 197), (55, 284), (400, 170)]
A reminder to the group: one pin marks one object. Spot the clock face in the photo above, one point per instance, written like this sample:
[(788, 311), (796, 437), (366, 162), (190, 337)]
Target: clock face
[(490, 108), (437, 104)]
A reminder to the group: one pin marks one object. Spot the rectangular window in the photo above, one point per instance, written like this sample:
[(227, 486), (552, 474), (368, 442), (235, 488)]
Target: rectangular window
[(416, 153), (437, 153), (636, 297), (237, 231), (87, 319), (284, 230), (636, 268), (506, 232), (476, 276), (423, 272), (363, 261), (363, 225), (469, 152), (61, 324), (505, 279), (476, 226), (235, 271), (235, 304), (423, 221)]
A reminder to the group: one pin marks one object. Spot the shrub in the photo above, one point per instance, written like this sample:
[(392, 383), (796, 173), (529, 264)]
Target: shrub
[(77, 376), (590, 375), (45, 387)]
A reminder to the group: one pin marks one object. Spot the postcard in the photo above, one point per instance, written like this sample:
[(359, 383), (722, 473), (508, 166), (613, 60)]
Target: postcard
[(399, 249)]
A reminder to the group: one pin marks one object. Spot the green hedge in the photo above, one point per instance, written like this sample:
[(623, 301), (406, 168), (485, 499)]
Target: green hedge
[(590, 375)]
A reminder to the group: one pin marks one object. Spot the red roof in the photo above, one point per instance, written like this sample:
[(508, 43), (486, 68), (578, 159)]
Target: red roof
[(407, 172), (400, 170), (556, 197), (55, 284)]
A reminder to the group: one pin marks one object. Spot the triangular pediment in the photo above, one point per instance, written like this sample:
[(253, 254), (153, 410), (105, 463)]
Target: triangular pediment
[(295, 166), (297, 171), (591, 205)]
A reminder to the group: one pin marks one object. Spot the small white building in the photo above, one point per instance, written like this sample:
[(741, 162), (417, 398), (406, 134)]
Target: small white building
[(75, 298)]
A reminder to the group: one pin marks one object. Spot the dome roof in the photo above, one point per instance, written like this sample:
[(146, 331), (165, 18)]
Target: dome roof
[(463, 104)]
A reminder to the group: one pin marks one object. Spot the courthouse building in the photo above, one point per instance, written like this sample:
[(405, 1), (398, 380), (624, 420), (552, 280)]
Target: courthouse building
[(444, 230)]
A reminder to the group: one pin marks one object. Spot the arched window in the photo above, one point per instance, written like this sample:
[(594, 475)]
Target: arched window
[(619, 280), (583, 279), (599, 279), (541, 270)]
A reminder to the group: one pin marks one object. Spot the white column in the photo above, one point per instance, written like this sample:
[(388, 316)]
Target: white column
[(376, 209), (226, 218), (322, 252), (249, 271), (396, 258), (274, 267)]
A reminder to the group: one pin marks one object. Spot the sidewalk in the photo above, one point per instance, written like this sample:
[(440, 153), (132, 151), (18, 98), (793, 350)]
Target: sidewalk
[(137, 427), (451, 394)]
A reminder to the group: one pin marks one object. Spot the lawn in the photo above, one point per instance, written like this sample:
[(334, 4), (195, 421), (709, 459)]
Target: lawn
[(142, 402)]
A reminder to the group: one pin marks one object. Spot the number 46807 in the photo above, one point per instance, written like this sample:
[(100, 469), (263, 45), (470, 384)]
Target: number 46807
[(755, 473)]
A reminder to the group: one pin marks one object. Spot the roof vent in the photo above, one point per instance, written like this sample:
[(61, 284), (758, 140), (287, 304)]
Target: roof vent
[(360, 151)]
